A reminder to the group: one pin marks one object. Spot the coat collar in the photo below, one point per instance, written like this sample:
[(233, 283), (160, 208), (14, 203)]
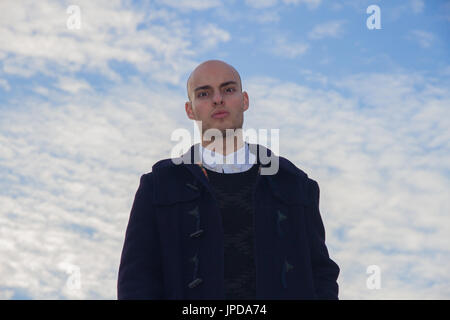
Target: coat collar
[(288, 183), (193, 156)]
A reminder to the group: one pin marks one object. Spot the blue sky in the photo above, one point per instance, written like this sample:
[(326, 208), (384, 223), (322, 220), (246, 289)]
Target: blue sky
[(84, 112)]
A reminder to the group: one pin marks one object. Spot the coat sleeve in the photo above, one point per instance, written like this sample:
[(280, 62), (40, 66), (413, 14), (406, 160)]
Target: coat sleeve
[(325, 270), (140, 271)]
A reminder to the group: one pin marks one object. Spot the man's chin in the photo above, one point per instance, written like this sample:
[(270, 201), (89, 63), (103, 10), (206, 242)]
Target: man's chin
[(223, 131)]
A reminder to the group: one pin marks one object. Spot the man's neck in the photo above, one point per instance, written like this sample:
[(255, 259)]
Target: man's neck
[(230, 145)]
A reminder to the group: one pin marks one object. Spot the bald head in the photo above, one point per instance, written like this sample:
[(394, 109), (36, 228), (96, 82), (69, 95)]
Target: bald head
[(210, 68)]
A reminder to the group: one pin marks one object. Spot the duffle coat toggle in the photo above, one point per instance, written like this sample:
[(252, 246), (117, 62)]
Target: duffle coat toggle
[(196, 280), (280, 217), (286, 268)]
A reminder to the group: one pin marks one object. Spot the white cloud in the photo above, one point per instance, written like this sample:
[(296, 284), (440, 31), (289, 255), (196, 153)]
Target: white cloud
[(41, 90), (424, 38), (267, 17), (5, 85), (191, 4), (263, 16), (208, 36), (445, 11), (261, 3), (414, 7), (72, 85), (314, 77), (445, 70), (311, 4), (283, 47), (332, 29), (417, 6), (41, 42)]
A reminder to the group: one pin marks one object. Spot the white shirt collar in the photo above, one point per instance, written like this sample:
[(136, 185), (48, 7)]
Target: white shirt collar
[(239, 161)]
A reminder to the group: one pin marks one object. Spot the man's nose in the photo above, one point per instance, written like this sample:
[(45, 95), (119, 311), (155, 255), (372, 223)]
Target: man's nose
[(218, 98)]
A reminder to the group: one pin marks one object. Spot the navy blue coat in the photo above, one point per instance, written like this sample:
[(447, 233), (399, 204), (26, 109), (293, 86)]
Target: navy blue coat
[(174, 246)]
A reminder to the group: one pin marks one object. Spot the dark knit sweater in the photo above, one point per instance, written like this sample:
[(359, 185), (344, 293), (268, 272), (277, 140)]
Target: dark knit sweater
[(234, 193)]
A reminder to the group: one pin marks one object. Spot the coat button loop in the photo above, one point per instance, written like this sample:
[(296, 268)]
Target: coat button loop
[(194, 212), (280, 217), (194, 260)]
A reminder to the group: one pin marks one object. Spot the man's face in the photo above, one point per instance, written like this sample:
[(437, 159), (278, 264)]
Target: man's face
[(215, 87)]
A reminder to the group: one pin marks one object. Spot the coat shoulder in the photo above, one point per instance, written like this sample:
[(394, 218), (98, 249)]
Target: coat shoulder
[(310, 185), (165, 168), (164, 163), (292, 168)]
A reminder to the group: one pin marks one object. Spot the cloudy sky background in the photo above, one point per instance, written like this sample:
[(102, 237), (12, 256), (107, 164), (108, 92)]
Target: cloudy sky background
[(85, 112)]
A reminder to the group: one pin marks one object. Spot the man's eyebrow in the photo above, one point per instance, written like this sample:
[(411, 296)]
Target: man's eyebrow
[(221, 85)]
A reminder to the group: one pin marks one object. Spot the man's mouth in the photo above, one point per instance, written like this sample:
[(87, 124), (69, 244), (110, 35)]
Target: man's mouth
[(220, 114)]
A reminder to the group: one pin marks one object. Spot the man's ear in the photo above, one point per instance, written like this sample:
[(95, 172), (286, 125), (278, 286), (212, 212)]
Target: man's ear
[(246, 100), (189, 111)]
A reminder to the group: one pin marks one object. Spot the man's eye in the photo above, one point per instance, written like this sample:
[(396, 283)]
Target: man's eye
[(230, 89), (202, 94)]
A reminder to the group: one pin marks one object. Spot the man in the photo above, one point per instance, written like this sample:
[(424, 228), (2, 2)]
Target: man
[(209, 229)]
